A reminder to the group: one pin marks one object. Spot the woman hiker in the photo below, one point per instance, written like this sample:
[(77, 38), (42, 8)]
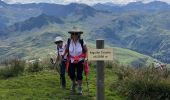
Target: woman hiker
[(77, 55), (61, 46)]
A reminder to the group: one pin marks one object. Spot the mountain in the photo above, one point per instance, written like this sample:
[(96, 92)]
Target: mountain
[(134, 6), (58, 10), (2, 3), (63, 11), (106, 7), (12, 12), (9, 14), (35, 22), (143, 31)]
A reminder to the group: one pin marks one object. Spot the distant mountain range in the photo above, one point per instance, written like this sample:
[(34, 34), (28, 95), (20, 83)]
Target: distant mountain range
[(135, 6), (12, 13), (30, 28)]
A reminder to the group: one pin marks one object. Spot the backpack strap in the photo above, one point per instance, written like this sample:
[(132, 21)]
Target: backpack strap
[(82, 45), (58, 50), (81, 42), (68, 45), (68, 58)]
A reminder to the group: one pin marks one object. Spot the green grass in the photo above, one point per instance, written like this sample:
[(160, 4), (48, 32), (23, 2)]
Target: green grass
[(145, 83), (44, 85)]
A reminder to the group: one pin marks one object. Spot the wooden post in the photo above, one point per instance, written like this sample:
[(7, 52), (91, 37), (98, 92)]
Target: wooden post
[(100, 73)]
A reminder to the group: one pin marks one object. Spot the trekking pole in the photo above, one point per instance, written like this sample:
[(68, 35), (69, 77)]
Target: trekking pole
[(56, 68), (52, 61), (87, 85), (86, 69)]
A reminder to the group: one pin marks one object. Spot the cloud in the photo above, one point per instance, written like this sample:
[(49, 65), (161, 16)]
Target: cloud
[(81, 1)]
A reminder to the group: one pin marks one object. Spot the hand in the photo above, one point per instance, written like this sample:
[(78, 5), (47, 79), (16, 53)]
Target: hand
[(62, 56), (85, 59), (52, 61)]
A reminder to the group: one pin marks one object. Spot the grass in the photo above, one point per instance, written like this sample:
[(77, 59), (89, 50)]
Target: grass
[(145, 83), (13, 67), (121, 83), (44, 85)]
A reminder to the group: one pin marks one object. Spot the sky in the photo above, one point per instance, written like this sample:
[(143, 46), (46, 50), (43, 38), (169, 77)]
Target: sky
[(81, 1)]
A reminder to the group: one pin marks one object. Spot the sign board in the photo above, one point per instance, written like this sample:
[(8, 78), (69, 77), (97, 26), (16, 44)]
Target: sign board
[(100, 54)]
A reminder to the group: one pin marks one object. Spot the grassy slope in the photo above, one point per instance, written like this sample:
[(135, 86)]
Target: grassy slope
[(125, 56), (45, 86)]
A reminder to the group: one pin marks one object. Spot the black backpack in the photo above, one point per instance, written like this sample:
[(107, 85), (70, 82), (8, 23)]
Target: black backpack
[(81, 42)]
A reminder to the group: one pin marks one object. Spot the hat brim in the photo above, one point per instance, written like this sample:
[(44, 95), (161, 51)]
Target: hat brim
[(58, 41), (80, 32)]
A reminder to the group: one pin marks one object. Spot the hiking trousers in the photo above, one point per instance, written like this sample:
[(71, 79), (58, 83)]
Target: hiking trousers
[(62, 73), (75, 70)]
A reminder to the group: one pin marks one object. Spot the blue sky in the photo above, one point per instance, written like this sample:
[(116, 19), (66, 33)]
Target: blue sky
[(80, 1)]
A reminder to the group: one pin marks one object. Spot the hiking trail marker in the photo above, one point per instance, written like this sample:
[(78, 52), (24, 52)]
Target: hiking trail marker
[(100, 55)]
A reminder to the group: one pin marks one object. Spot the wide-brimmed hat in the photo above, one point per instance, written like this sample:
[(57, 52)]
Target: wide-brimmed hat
[(75, 30)]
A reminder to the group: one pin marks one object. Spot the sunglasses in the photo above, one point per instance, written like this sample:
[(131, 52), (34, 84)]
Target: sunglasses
[(74, 34), (58, 42)]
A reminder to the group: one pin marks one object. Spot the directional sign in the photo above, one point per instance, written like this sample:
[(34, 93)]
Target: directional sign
[(100, 54)]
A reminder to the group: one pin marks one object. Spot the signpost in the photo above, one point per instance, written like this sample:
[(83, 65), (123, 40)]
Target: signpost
[(100, 55)]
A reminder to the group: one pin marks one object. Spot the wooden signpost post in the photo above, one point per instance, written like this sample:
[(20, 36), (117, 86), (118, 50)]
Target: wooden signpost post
[(100, 55)]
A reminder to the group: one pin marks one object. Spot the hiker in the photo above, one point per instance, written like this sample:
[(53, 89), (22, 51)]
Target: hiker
[(77, 55), (60, 50)]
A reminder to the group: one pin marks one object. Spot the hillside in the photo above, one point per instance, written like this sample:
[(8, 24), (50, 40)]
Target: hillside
[(39, 43), (141, 31)]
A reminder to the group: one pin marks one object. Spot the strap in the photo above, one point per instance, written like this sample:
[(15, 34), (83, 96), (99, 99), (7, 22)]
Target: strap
[(68, 43), (58, 50), (81, 42), (82, 45)]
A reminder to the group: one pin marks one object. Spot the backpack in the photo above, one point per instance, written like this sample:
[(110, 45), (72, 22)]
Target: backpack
[(81, 42)]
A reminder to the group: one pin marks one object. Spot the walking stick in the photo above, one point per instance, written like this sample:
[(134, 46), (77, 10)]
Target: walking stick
[(86, 69), (87, 85), (52, 61)]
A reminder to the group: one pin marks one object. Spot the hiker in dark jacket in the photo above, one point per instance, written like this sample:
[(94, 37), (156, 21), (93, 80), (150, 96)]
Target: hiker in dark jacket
[(76, 50)]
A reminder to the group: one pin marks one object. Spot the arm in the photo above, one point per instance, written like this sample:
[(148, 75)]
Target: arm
[(58, 57)]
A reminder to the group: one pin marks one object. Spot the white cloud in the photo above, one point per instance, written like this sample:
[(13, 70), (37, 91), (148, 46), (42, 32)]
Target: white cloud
[(81, 1)]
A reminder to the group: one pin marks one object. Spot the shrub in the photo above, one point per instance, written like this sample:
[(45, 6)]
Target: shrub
[(34, 66), (109, 65), (46, 64), (13, 67), (142, 84), (92, 64)]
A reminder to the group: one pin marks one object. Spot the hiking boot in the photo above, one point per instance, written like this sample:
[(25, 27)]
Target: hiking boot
[(73, 87), (79, 90), (63, 86), (62, 81)]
